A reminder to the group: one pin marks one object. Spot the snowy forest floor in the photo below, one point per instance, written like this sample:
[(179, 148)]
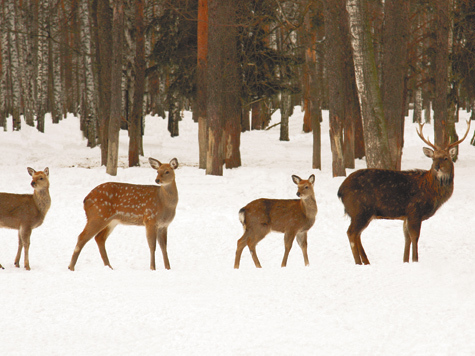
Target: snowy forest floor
[(202, 306)]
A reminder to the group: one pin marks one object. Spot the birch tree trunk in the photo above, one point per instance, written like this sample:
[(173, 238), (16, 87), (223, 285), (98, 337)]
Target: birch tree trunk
[(374, 124), (89, 109), (417, 116), (417, 36), (116, 87), (42, 77), (25, 55), (56, 95), (5, 65), (285, 113), (14, 63)]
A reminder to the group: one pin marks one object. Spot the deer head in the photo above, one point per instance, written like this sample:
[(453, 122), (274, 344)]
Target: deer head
[(442, 158)]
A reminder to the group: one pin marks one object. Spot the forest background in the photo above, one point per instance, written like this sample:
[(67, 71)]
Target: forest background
[(233, 64)]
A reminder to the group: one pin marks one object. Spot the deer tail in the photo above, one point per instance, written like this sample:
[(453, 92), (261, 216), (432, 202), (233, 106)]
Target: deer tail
[(242, 217)]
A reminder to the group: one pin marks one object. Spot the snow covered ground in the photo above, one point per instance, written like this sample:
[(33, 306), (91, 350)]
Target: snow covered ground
[(202, 306)]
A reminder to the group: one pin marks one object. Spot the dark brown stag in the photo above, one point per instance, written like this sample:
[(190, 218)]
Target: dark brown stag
[(412, 196)]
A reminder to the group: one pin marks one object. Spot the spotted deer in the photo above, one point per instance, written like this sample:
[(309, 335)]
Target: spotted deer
[(110, 204), (24, 212), (412, 196), (293, 217)]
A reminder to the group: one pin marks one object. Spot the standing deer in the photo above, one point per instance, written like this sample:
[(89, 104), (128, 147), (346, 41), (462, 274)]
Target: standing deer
[(412, 196), (110, 204), (293, 217), (24, 212)]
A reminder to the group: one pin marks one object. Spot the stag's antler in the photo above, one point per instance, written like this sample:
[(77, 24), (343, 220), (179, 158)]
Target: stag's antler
[(430, 144), (435, 147), (463, 138)]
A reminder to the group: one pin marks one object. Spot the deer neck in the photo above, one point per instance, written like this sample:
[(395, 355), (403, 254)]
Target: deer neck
[(443, 179), (42, 200), (442, 186), (169, 193), (309, 206)]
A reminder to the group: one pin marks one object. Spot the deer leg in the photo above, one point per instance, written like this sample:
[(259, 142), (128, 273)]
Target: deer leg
[(91, 229), (252, 248), (407, 242), (162, 241), (242, 242), (256, 234), (24, 240), (101, 238), (361, 250), (152, 235), (357, 225), (288, 241), (414, 230), (20, 248), (302, 241)]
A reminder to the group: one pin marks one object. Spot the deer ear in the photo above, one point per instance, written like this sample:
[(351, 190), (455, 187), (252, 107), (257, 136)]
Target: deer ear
[(31, 171), (296, 179), (154, 163), (453, 152), (46, 170), (174, 163), (428, 152), (311, 179)]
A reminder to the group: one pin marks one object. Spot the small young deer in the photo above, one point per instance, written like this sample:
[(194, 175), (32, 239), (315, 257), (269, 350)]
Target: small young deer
[(24, 212), (412, 196), (293, 217), (110, 204)]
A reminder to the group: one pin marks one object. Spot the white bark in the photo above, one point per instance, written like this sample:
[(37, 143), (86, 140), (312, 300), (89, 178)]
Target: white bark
[(5, 65), (24, 59), (10, 17), (57, 103), (418, 91), (89, 111), (366, 73), (42, 77)]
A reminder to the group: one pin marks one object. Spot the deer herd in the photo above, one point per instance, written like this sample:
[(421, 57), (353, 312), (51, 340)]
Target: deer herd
[(412, 196)]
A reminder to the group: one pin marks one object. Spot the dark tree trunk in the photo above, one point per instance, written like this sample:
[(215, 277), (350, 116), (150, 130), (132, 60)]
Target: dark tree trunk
[(215, 87), (104, 22), (201, 83), (314, 28), (441, 64), (116, 87), (136, 119), (394, 69), (232, 87), (335, 64), (258, 115)]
